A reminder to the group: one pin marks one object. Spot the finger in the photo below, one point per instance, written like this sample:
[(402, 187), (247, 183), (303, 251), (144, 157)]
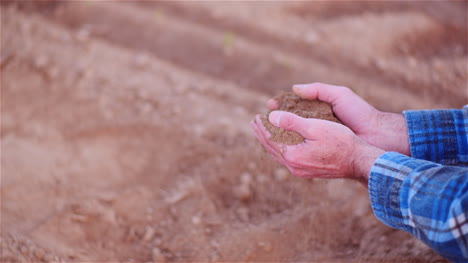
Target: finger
[(268, 148), (266, 135), (277, 150), (310, 129), (299, 172), (289, 121), (320, 91), (308, 173), (280, 150), (260, 137), (272, 104)]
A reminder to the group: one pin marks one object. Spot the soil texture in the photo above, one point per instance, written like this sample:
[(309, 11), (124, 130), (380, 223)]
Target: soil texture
[(125, 130), (290, 102)]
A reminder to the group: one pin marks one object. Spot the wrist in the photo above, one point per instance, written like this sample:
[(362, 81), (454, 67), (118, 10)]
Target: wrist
[(364, 157), (392, 133)]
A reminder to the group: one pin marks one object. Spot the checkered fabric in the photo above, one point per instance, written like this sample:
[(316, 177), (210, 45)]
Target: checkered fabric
[(427, 194), (439, 135)]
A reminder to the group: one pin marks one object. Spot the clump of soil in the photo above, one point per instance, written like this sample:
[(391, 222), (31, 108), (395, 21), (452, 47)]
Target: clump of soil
[(289, 101)]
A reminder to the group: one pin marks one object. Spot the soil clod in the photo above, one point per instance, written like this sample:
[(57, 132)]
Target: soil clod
[(290, 102)]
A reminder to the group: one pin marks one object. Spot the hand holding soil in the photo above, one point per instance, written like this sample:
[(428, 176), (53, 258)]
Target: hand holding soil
[(385, 130), (328, 149)]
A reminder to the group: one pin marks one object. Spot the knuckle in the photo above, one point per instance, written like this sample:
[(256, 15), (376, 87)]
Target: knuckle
[(287, 122), (312, 129), (316, 85), (346, 90)]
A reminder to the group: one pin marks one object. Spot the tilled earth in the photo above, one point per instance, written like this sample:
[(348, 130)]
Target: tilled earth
[(125, 136)]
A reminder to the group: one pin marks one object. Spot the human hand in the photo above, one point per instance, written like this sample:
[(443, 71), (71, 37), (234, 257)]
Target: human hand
[(382, 129), (330, 150)]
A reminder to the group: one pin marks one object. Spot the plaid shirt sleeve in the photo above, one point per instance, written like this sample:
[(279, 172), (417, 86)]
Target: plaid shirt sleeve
[(426, 199), (439, 136), (428, 196)]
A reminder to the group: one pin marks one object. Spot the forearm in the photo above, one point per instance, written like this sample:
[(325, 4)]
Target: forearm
[(393, 132), (423, 198), (364, 157), (387, 131)]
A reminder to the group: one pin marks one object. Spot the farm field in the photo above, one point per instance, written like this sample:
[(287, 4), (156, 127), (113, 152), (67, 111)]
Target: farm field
[(125, 125)]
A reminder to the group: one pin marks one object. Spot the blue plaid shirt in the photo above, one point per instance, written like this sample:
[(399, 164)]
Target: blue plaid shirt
[(427, 194)]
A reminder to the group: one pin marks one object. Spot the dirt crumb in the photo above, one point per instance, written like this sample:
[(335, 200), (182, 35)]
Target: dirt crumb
[(290, 102)]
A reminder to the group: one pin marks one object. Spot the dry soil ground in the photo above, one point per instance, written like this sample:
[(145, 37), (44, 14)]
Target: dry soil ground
[(125, 136)]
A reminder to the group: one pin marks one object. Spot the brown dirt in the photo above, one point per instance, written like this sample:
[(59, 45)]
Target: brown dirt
[(290, 102), (125, 136)]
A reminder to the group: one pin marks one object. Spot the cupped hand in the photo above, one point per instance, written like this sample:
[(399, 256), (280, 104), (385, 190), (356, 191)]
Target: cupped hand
[(330, 150), (382, 129)]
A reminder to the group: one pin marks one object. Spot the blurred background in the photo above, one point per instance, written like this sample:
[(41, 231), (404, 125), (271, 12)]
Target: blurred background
[(125, 136)]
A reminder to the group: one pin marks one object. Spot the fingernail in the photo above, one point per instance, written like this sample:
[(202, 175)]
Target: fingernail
[(275, 117), (300, 86)]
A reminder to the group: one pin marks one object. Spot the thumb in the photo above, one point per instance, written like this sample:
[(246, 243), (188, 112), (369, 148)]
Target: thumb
[(320, 91), (288, 121)]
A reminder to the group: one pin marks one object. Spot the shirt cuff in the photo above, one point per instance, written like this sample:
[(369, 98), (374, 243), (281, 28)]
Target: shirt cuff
[(438, 135), (386, 189)]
